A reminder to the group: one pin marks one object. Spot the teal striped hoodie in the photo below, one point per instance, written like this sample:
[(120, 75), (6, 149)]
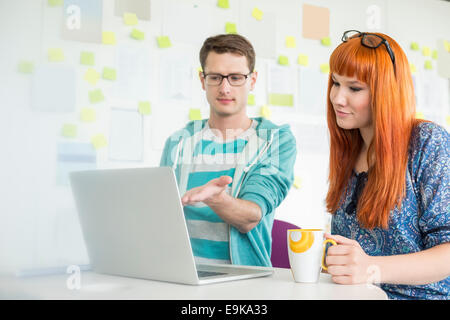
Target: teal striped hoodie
[(264, 176)]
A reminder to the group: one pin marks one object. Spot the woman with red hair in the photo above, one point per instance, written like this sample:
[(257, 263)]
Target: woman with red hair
[(389, 175)]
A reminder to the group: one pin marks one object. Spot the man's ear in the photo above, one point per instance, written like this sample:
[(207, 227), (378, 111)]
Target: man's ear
[(253, 78), (202, 79)]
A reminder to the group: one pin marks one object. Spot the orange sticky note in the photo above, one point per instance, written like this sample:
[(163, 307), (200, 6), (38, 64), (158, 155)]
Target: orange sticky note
[(316, 22)]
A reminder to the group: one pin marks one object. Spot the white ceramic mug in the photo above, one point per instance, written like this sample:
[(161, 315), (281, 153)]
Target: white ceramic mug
[(306, 249)]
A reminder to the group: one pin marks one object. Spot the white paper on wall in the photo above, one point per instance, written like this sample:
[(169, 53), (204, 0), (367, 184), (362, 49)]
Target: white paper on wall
[(126, 135), (134, 72), (54, 88), (312, 91)]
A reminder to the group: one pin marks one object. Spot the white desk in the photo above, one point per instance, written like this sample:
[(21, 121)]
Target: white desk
[(280, 285)]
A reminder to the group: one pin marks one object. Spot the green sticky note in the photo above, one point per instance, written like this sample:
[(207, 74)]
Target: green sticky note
[(163, 42), (99, 141), (108, 37), (280, 99), (87, 115), (87, 58), (426, 51), (144, 107), (55, 55), (55, 3), (434, 54), (415, 46), (130, 19), (326, 41), (283, 60), (266, 112), (303, 60), (251, 99), (96, 96), (25, 67), (137, 34), (230, 28), (428, 65), (223, 4), (69, 130), (325, 68), (91, 76), (109, 73), (290, 42), (195, 114)]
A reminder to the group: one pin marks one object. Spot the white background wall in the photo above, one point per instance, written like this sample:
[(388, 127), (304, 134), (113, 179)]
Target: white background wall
[(38, 222)]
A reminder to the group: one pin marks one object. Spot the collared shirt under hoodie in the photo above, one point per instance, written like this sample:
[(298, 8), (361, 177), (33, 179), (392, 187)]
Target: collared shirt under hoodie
[(213, 157)]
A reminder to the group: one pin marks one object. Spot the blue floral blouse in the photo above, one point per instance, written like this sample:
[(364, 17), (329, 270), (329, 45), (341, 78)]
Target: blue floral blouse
[(424, 218)]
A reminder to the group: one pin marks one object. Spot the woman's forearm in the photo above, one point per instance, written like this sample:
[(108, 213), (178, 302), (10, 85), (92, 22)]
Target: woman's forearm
[(417, 268)]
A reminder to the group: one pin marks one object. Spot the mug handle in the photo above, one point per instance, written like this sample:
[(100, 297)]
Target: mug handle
[(324, 267)]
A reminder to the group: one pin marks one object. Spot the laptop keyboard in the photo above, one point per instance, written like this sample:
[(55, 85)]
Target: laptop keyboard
[(203, 274)]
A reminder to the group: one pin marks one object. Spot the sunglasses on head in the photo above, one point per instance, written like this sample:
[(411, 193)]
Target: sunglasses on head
[(369, 40)]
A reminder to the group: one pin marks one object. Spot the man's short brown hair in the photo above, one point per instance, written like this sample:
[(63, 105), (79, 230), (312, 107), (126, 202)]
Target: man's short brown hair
[(232, 43)]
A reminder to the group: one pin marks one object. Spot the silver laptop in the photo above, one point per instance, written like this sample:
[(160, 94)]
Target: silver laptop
[(133, 225)]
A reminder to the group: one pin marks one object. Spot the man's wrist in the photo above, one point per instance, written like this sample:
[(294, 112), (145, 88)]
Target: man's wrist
[(218, 200)]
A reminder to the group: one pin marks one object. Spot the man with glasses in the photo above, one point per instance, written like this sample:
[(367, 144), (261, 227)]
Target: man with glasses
[(232, 170)]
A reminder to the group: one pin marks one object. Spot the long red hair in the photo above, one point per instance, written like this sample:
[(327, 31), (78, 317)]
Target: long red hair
[(392, 104)]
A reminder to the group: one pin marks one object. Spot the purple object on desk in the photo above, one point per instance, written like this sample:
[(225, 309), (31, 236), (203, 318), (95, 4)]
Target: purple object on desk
[(280, 257)]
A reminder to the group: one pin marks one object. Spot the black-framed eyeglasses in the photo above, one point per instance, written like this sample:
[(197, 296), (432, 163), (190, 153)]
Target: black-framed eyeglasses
[(234, 79), (369, 40)]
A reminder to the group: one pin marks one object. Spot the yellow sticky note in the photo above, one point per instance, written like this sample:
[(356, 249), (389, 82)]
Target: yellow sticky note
[(413, 68), (266, 112), (447, 45), (164, 42), (25, 67), (251, 99), (55, 3), (55, 54), (283, 60), (447, 120), (303, 60), (434, 54), (195, 114), (87, 115), (420, 115), (257, 14), (280, 99), (297, 182), (87, 58), (109, 73), (99, 141), (426, 51), (137, 34), (69, 130), (290, 42), (108, 37), (130, 19), (325, 68), (326, 41), (415, 46), (428, 65), (91, 76), (230, 28), (144, 107), (223, 4), (96, 96)]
